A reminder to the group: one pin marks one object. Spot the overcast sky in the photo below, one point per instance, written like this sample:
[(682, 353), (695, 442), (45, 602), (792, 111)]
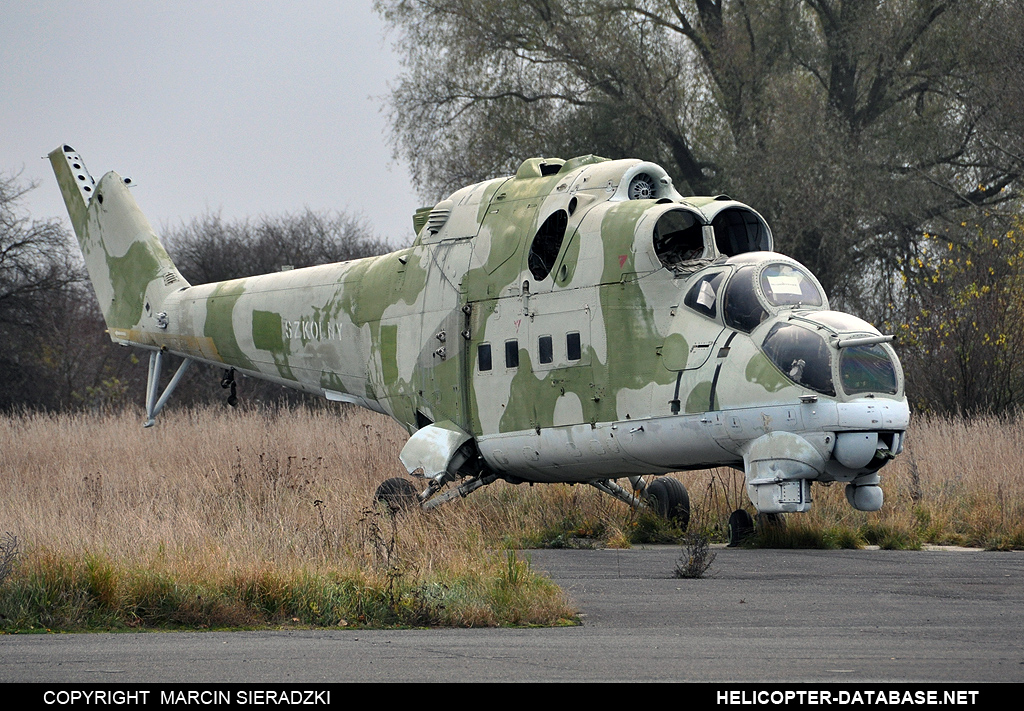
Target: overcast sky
[(242, 108)]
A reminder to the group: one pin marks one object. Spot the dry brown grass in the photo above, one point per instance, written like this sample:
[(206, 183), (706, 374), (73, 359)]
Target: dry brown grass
[(257, 502), (221, 497)]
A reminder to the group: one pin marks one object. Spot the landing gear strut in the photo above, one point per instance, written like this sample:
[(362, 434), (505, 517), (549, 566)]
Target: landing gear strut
[(228, 381)]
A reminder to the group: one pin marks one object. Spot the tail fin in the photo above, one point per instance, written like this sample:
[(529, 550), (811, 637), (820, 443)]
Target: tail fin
[(129, 267)]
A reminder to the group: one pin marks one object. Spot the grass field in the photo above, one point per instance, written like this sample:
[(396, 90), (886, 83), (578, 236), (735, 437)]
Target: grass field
[(222, 518)]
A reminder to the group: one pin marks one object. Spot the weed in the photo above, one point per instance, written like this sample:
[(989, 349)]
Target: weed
[(516, 572), (697, 556), (842, 537), (113, 534), (889, 537), (8, 555), (649, 527)]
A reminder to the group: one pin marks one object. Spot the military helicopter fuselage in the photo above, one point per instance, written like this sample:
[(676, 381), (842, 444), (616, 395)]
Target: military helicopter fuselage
[(580, 322)]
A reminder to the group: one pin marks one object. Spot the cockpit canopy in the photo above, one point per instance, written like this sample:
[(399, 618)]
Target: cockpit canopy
[(758, 285)]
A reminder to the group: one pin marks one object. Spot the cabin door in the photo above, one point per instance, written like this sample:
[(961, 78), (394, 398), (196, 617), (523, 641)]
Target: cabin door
[(443, 382)]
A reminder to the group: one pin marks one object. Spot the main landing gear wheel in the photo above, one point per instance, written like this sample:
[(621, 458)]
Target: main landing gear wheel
[(668, 498), (741, 527), (397, 494)]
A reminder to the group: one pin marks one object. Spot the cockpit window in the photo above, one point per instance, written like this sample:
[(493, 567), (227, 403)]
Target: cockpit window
[(786, 285), (802, 355), (678, 237), (867, 369), (738, 231), (703, 296), (742, 309)]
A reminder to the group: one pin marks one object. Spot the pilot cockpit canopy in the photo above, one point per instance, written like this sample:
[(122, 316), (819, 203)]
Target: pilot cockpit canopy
[(766, 283)]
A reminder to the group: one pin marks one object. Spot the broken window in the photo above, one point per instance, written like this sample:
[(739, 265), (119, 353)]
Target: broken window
[(678, 237), (547, 243), (738, 231)]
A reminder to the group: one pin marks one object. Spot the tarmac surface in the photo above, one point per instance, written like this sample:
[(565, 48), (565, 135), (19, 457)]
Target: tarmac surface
[(761, 616)]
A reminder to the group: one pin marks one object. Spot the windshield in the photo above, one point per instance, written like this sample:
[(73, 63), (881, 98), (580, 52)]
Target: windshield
[(802, 355), (867, 369)]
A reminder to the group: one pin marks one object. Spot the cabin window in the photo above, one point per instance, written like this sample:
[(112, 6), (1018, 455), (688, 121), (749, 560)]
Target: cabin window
[(547, 243), (483, 356), (867, 369), (545, 349), (738, 231), (512, 354), (572, 346), (678, 237), (703, 296)]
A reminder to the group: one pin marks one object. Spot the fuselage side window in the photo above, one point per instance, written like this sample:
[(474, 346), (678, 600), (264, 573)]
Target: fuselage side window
[(545, 349), (512, 354), (703, 296), (573, 351), (483, 356)]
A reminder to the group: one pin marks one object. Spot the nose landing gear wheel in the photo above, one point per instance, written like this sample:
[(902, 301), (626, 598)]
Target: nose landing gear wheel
[(741, 527)]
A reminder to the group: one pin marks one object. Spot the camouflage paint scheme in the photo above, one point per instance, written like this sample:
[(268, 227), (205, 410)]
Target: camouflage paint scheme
[(561, 265)]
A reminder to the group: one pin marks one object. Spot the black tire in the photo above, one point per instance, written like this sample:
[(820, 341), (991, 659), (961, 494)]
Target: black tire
[(669, 499), (741, 527), (397, 494)]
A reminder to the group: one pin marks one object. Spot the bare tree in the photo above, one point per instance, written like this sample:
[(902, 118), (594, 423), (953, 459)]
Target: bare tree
[(209, 249), (38, 264)]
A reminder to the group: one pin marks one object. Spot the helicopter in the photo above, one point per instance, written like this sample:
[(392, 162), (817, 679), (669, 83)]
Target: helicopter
[(577, 322)]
